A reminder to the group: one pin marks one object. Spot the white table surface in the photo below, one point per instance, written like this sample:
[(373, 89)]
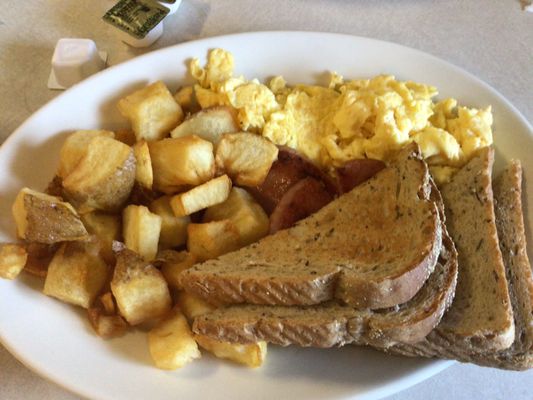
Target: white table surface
[(492, 39)]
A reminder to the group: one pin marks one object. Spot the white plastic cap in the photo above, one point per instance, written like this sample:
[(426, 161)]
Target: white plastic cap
[(75, 60)]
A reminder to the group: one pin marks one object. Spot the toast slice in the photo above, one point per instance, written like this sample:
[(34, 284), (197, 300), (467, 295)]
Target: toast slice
[(512, 241), (332, 324), (481, 317), (511, 232), (373, 247)]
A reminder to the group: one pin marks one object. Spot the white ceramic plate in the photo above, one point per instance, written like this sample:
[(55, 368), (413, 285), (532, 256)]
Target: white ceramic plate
[(55, 339)]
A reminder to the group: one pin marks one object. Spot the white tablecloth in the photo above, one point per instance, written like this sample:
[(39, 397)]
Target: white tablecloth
[(493, 39)]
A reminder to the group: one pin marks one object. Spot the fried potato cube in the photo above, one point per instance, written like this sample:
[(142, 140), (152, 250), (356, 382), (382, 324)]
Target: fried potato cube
[(76, 274), (205, 195), (193, 306), (139, 288), (143, 164), (247, 215), (141, 230), (39, 257), (12, 260), (104, 319), (252, 355), (206, 98), (152, 111), (209, 124), (75, 147), (55, 187), (171, 343), (212, 239), (104, 177), (173, 229), (126, 136), (106, 326), (186, 98), (245, 157), (173, 263), (46, 219), (141, 196), (108, 303), (107, 228), (181, 161)]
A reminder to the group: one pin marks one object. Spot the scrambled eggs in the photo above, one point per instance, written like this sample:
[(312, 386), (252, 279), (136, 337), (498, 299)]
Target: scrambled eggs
[(348, 119)]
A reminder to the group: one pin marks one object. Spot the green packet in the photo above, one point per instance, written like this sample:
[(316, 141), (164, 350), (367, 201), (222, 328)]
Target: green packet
[(136, 17)]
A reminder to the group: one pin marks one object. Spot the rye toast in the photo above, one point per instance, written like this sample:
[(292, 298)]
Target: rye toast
[(512, 242), (332, 324), (373, 247)]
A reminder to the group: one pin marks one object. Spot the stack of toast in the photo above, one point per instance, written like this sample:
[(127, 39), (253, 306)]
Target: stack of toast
[(395, 263)]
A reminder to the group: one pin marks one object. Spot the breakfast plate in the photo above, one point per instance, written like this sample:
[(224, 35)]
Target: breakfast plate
[(56, 341)]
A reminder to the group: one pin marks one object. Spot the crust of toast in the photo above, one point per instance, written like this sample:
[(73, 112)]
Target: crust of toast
[(332, 324), (373, 247)]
